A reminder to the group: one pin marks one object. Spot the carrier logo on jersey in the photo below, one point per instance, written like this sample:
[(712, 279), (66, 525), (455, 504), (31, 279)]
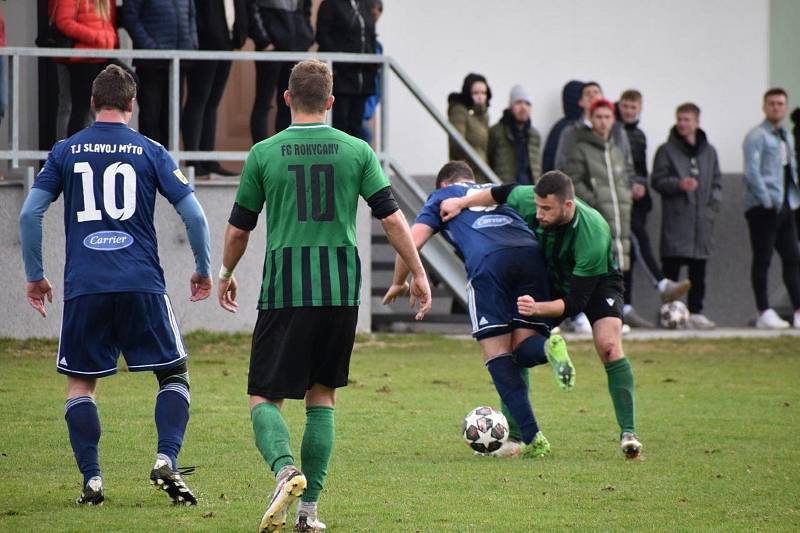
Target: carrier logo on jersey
[(491, 221), (180, 176), (106, 241)]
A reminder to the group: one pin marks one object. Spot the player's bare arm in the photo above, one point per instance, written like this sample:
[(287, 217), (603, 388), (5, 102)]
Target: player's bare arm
[(451, 207), (420, 233), (399, 235), (527, 306), (233, 249)]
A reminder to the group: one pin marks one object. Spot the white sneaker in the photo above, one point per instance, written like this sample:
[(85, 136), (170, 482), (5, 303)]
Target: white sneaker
[(510, 448), (581, 324), (699, 321), (769, 319)]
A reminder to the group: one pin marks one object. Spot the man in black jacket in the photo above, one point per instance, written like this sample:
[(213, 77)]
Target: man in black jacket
[(158, 25), (284, 26), (348, 26), (220, 26), (629, 109)]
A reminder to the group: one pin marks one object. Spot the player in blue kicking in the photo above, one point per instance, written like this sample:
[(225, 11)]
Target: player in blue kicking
[(114, 293), (503, 262)]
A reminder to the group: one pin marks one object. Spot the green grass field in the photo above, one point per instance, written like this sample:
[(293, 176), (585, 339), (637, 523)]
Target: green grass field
[(719, 421)]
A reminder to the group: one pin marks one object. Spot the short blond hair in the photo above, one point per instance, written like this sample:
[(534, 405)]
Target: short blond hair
[(310, 85)]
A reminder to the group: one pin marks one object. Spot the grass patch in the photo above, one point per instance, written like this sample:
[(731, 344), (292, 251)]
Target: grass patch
[(719, 421)]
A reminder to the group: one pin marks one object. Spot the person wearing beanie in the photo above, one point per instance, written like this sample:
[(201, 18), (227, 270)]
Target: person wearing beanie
[(514, 144), (468, 112)]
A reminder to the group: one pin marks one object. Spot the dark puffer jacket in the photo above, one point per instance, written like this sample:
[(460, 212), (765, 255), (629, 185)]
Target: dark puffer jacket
[(286, 24), (572, 112), (161, 24), (687, 218), (341, 28), (502, 149)]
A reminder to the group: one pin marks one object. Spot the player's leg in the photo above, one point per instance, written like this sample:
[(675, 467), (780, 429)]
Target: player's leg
[(604, 310), (607, 334), (86, 351), (529, 277), (83, 424), (335, 330), (315, 453), (148, 334)]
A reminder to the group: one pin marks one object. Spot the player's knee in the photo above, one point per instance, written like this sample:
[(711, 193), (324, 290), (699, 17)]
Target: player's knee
[(175, 378), (609, 350)]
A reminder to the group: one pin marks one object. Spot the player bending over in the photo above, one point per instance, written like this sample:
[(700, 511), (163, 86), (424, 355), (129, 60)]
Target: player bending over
[(114, 293), (310, 176), (576, 242), (503, 262)]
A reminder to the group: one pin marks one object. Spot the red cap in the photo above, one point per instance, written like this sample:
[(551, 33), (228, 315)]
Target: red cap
[(602, 102)]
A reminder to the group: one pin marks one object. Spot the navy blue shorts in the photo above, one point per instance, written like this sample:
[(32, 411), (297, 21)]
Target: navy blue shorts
[(95, 328), (501, 278)]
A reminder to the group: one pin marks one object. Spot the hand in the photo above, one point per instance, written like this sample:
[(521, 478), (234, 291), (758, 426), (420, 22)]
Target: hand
[(227, 294), (396, 290), (200, 286), (270, 47), (638, 191), (688, 184), (450, 208), (36, 293), (420, 292), (526, 305)]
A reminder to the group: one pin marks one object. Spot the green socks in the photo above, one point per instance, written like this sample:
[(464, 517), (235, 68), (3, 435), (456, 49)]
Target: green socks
[(316, 450), (272, 436), (621, 389), (513, 428)]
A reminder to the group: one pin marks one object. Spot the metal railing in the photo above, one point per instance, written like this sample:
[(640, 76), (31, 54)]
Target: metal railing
[(438, 254)]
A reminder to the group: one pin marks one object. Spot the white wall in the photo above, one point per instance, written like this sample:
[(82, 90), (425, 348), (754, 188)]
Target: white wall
[(712, 52)]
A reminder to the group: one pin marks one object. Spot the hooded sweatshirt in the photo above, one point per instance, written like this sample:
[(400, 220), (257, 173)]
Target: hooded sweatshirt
[(572, 112)]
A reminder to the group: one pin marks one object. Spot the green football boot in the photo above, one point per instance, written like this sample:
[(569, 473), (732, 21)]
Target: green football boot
[(539, 447), (557, 356)]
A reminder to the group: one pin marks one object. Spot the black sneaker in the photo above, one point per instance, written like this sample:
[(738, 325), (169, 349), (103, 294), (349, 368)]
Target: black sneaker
[(93, 493), (172, 483)]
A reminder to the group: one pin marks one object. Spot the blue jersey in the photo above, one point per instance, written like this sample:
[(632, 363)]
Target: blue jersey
[(109, 174), (478, 231)]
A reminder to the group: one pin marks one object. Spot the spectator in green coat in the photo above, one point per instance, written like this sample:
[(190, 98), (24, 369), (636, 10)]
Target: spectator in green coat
[(514, 144)]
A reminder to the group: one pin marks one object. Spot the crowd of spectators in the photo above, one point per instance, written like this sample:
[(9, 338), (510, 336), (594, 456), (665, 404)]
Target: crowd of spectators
[(273, 25), (598, 142), (600, 145)]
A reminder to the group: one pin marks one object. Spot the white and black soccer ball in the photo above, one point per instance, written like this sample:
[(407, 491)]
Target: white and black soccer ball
[(674, 315), (485, 429)]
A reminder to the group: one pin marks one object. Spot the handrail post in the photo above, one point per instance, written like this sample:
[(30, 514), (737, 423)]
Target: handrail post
[(384, 103), (174, 106), (14, 108)]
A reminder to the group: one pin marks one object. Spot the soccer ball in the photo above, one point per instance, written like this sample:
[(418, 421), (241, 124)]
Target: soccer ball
[(485, 430), (674, 315)]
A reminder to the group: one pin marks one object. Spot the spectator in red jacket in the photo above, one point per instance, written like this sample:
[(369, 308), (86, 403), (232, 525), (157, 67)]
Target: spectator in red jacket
[(91, 24)]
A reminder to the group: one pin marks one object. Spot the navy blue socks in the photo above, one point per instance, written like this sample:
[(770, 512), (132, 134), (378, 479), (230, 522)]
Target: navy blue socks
[(514, 392), (83, 424), (172, 416)]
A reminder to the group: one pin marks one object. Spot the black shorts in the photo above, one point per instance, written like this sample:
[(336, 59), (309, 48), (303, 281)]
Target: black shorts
[(607, 298), (294, 348)]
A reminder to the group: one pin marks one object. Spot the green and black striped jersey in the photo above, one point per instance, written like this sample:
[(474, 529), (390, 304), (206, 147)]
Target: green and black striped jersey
[(310, 176), (580, 248)]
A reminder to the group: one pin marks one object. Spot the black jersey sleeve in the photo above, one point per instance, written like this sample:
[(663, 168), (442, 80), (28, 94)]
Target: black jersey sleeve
[(501, 192), (243, 218), (383, 203)]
